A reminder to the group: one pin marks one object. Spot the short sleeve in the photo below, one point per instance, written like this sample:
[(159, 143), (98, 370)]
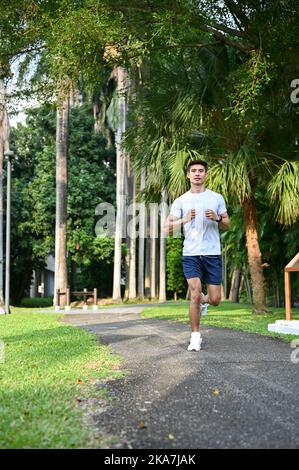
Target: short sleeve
[(221, 206), (176, 209)]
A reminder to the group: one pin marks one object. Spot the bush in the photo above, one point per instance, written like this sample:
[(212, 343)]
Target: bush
[(36, 302)]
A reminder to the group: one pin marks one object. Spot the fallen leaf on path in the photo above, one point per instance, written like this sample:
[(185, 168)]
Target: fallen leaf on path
[(142, 424)]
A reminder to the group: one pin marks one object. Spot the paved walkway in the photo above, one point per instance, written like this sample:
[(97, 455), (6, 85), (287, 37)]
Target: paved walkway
[(240, 391)]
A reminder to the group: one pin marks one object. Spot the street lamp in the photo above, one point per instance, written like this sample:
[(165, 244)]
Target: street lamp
[(9, 156)]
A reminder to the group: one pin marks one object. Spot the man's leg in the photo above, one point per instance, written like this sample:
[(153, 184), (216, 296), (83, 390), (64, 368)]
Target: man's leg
[(213, 275), (194, 308), (213, 296)]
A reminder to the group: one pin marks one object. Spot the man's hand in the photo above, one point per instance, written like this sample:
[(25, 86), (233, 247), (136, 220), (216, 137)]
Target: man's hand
[(211, 215), (191, 214), (223, 219)]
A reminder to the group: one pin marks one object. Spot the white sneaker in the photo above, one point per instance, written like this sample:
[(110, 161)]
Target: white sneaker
[(204, 308), (195, 341)]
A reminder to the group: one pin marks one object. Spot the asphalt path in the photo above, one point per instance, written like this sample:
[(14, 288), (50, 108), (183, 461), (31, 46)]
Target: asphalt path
[(240, 391)]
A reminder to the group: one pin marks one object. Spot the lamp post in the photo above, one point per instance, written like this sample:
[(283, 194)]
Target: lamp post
[(9, 156)]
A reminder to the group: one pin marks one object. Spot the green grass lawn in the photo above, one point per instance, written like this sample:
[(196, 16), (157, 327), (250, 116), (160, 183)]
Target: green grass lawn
[(49, 368), (226, 315)]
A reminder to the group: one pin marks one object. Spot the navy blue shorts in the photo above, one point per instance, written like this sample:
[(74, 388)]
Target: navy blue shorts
[(208, 268)]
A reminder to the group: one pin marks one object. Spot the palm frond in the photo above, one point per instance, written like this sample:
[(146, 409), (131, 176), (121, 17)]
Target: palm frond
[(230, 176), (178, 157), (283, 191)]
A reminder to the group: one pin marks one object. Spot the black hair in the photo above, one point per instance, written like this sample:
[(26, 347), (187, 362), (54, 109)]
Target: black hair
[(197, 162)]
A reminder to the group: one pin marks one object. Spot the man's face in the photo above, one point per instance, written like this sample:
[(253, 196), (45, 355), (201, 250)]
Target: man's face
[(197, 174)]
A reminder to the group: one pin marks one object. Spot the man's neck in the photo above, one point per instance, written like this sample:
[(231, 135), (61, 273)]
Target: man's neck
[(197, 189)]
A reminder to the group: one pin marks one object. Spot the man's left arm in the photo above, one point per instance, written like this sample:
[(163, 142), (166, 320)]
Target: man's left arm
[(223, 221), (222, 215)]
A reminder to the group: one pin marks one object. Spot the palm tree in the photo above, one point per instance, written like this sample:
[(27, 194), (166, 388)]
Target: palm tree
[(187, 119), (62, 129), (121, 170), (162, 263), (141, 239), (154, 227), (4, 145), (132, 234)]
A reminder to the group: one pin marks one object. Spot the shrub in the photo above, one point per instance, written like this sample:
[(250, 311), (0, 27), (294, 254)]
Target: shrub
[(36, 302)]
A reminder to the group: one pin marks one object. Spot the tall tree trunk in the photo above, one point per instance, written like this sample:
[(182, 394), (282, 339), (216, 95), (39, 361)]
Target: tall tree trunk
[(128, 239), (254, 257), (62, 129), (120, 181), (162, 264), (96, 114), (4, 145), (235, 285), (147, 274), (153, 240), (224, 273), (132, 234), (75, 97), (141, 240)]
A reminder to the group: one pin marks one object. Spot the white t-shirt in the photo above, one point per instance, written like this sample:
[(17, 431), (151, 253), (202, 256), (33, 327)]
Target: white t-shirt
[(201, 234)]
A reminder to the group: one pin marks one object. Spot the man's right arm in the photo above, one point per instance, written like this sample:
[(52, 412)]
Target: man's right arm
[(173, 223)]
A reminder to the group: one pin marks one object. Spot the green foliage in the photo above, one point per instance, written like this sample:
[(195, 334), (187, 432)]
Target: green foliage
[(76, 39), (175, 281), (36, 302), (284, 193), (91, 170), (251, 79)]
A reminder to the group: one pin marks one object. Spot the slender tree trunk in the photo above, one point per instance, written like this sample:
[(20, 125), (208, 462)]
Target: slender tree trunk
[(153, 239), (73, 275), (132, 234), (120, 182), (61, 281), (127, 270), (141, 240), (4, 145), (242, 282), (162, 273), (147, 279), (223, 296), (224, 273), (235, 285), (254, 257), (96, 114), (128, 240), (75, 97)]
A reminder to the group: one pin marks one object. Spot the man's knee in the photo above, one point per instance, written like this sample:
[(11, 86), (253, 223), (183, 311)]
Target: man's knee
[(215, 300), (195, 296)]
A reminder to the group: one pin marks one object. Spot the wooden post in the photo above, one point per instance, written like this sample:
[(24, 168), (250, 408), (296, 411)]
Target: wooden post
[(58, 297), (85, 306), (95, 296), (287, 287)]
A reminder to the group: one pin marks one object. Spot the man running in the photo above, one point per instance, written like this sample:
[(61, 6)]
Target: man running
[(201, 212)]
